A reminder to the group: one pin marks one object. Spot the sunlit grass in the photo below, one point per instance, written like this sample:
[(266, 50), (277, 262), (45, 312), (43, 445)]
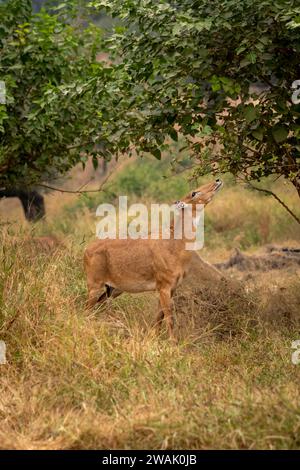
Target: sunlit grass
[(104, 380)]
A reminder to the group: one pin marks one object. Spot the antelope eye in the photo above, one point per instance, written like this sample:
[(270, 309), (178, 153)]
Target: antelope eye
[(194, 193)]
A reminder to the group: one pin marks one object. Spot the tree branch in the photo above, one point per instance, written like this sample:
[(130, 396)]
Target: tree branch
[(267, 191), (79, 191)]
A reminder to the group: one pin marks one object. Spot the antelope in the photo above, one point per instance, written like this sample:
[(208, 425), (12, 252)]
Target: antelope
[(144, 264)]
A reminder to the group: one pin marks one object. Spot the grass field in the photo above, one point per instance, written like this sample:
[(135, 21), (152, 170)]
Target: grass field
[(104, 380)]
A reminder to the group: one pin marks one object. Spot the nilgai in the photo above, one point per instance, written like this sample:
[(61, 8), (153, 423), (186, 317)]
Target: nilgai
[(145, 264)]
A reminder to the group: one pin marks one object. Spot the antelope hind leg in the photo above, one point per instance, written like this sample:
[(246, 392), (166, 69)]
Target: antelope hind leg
[(159, 319), (165, 299)]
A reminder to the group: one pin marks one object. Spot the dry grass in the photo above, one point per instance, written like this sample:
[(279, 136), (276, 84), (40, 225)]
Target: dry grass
[(75, 380), (105, 381)]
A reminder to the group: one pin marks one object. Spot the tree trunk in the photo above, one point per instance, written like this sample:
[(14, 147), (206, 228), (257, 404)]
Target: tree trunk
[(32, 202)]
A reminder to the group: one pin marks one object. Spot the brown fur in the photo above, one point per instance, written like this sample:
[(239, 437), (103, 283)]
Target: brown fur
[(143, 265)]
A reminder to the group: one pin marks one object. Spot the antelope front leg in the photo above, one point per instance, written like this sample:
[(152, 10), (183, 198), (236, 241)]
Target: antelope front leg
[(94, 292), (93, 297), (166, 308)]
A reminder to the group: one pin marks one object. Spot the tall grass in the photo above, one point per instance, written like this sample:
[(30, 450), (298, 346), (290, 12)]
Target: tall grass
[(101, 380), (104, 380)]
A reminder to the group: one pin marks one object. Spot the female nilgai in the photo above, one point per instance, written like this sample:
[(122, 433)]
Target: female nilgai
[(140, 265)]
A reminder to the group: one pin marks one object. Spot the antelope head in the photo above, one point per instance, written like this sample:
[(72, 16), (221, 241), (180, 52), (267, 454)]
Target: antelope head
[(202, 195)]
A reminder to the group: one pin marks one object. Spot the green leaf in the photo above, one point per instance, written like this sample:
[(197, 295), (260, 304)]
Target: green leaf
[(60, 6), (249, 59), (95, 162), (173, 134), (250, 113), (280, 134), (258, 134), (157, 153), (215, 83)]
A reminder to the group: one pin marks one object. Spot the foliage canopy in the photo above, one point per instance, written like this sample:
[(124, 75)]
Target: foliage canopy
[(46, 63), (218, 73), (222, 71)]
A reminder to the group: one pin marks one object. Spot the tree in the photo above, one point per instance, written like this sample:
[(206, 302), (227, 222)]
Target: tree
[(32, 202), (49, 120), (194, 63)]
